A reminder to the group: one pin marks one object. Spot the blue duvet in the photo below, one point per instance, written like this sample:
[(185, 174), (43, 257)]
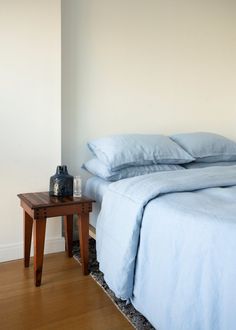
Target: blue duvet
[(167, 241)]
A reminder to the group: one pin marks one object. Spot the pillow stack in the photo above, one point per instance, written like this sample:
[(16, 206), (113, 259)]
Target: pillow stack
[(123, 156), (208, 149)]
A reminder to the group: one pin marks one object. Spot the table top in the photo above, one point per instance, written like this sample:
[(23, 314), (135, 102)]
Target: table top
[(43, 199)]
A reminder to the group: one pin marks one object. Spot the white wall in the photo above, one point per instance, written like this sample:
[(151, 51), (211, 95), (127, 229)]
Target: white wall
[(30, 117), (148, 66)]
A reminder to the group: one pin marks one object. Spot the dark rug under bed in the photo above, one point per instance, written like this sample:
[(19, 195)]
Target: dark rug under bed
[(138, 321)]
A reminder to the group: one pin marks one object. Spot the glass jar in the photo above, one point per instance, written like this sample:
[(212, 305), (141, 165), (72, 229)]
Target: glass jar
[(77, 186)]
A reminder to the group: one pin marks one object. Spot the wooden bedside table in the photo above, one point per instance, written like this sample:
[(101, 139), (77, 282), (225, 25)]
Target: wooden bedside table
[(40, 206)]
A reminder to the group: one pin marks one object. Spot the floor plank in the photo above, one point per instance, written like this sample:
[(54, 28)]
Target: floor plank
[(65, 300)]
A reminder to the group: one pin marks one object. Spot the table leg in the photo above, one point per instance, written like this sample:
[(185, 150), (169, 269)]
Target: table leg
[(68, 226), (83, 224), (28, 224), (39, 239)]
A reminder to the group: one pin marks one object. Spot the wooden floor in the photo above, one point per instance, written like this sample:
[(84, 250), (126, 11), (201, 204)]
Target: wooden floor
[(66, 299)]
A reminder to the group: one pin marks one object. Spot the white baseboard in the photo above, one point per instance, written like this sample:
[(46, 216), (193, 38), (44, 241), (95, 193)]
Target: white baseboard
[(15, 251)]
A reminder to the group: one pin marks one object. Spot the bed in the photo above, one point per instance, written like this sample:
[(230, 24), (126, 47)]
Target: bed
[(166, 241)]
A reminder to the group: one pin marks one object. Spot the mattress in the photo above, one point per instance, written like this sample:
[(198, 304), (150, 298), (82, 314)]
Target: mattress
[(95, 188)]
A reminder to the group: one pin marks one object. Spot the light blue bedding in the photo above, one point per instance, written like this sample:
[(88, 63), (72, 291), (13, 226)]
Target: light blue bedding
[(95, 188), (202, 165), (98, 168), (120, 151), (167, 241), (207, 147)]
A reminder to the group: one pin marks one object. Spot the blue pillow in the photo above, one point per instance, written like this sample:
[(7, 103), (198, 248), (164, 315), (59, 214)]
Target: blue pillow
[(96, 167), (121, 151), (202, 165), (207, 147)]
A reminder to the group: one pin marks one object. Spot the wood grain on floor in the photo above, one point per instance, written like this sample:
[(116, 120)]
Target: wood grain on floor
[(65, 300)]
